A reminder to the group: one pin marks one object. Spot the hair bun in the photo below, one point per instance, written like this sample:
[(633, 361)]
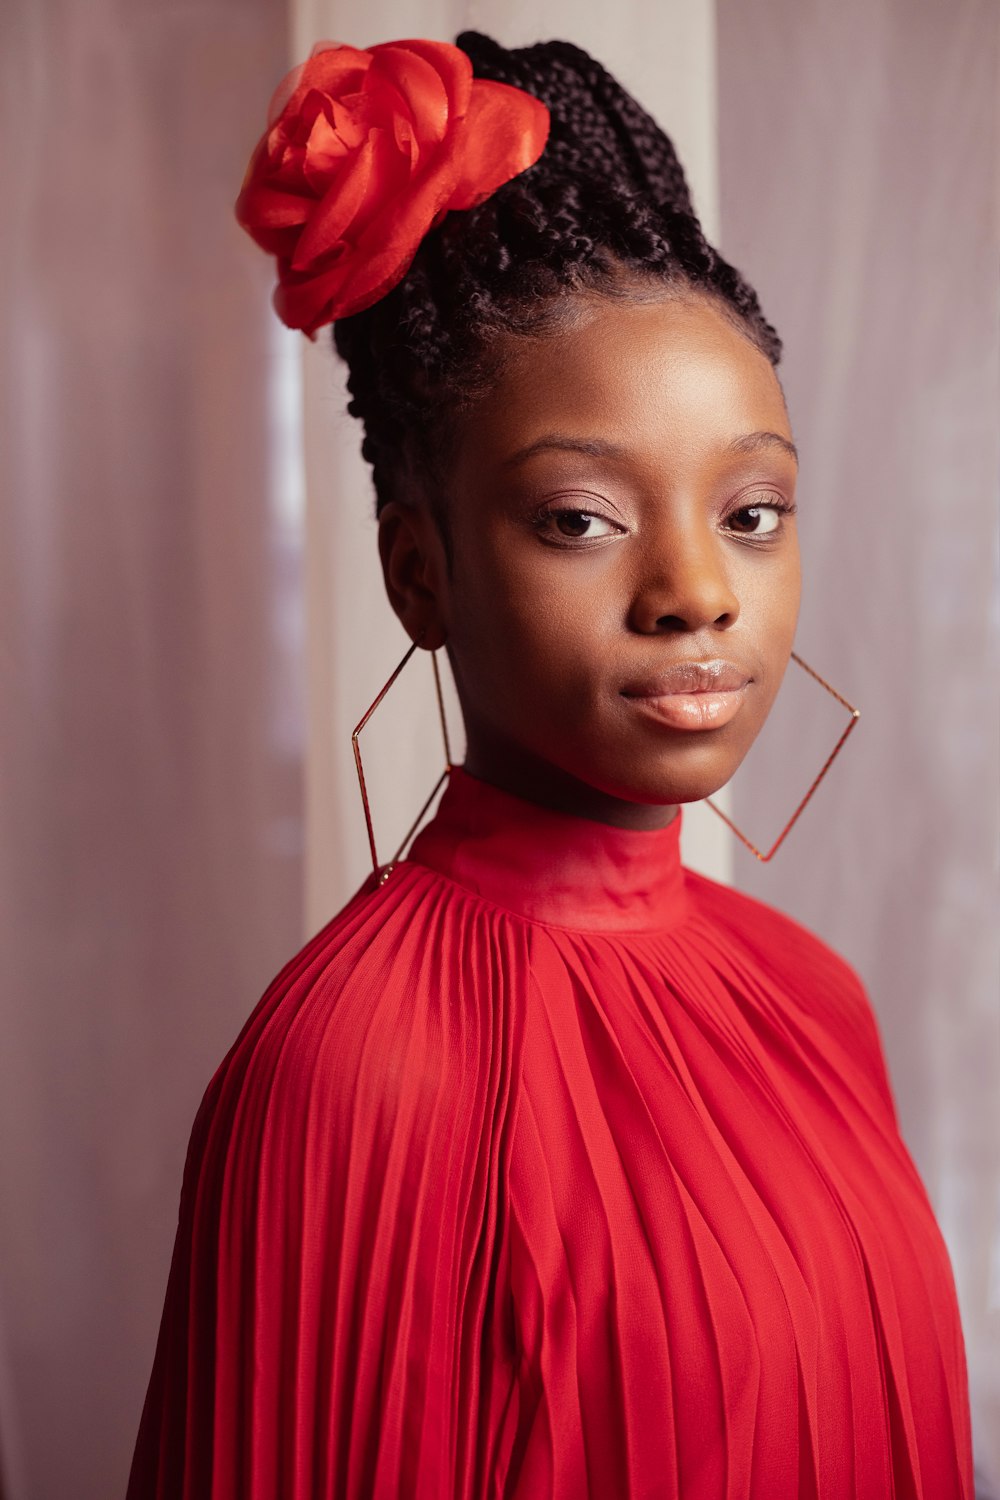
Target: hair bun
[(596, 125)]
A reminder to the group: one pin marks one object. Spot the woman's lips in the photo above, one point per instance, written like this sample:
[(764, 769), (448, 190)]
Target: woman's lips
[(691, 694)]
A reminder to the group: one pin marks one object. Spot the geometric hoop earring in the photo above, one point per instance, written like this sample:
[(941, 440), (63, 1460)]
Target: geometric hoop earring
[(855, 714), (384, 871)]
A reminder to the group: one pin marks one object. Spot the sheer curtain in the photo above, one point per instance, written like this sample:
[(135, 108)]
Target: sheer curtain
[(151, 750), (859, 155)]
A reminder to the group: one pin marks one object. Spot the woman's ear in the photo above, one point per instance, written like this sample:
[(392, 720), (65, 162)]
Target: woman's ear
[(414, 570)]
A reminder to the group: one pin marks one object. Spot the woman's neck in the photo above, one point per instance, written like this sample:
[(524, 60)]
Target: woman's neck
[(515, 770)]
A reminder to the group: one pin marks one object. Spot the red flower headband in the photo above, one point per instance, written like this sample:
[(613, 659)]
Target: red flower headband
[(365, 151)]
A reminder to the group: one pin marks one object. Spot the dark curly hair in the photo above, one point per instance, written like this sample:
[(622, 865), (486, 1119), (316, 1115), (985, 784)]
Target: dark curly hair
[(606, 208)]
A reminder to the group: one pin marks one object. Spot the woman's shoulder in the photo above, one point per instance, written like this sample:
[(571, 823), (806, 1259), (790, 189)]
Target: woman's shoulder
[(778, 941), (373, 1006), (332, 1214), (818, 985)]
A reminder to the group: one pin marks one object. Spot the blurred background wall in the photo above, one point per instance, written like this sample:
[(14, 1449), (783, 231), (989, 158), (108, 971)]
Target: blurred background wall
[(152, 721), (859, 151), (191, 619)]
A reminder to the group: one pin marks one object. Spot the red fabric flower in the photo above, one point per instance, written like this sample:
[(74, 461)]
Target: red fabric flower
[(365, 151)]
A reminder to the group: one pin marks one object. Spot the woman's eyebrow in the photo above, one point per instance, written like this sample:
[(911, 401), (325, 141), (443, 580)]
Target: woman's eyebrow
[(752, 441), (593, 447)]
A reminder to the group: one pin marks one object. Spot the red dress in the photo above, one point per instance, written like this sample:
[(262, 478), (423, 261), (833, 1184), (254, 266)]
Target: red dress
[(552, 1170)]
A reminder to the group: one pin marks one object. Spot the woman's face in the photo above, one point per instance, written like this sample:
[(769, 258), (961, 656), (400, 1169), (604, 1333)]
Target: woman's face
[(620, 512)]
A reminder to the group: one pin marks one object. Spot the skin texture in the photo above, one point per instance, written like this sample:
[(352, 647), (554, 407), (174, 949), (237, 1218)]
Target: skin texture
[(548, 619)]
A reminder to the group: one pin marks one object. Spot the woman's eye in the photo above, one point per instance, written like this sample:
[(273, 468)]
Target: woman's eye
[(758, 520), (577, 524)]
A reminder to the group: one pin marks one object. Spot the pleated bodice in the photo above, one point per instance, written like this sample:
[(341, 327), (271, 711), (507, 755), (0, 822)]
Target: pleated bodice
[(550, 1170)]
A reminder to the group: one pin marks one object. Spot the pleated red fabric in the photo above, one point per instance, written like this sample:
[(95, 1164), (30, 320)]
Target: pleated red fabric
[(550, 1169)]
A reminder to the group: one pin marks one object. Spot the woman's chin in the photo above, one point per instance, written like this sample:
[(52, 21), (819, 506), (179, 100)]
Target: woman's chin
[(661, 781)]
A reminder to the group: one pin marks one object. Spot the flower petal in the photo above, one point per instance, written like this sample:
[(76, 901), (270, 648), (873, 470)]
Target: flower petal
[(450, 62), (306, 302), (324, 154), (505, 133), (420, 85), (384, 250), (337, 208), (261, 206), (353, 117), (390, 182), (332, 67), (264, 208)]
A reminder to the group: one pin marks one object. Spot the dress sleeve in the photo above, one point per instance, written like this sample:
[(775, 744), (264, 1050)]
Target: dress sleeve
[(329, 1288)]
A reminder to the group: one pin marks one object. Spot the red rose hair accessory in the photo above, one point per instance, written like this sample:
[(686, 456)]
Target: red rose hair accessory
[(365, 151)]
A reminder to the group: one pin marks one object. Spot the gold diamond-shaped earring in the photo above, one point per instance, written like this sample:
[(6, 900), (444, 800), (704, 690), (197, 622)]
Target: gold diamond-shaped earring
[(855, 714), (384, 871)]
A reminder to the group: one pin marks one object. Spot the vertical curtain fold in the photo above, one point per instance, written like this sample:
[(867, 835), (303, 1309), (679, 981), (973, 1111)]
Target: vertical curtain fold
[(151, 731), (859, 165)]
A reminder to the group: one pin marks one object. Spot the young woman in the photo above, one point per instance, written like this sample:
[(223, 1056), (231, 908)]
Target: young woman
[(549, 1169)]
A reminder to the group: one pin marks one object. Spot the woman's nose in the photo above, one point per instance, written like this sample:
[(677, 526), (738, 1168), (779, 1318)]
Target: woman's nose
[(684, 586)]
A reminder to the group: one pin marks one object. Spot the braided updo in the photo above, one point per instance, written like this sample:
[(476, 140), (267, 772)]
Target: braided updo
[(605, 208)]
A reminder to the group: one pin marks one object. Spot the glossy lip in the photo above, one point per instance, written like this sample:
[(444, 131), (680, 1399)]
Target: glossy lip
[(691, 695)]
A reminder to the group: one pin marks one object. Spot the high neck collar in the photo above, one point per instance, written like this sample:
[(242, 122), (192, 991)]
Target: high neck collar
[(550, 866)]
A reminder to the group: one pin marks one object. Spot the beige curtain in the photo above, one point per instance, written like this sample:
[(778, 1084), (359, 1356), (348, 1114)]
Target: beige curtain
[(859, 156), (151, 731)]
